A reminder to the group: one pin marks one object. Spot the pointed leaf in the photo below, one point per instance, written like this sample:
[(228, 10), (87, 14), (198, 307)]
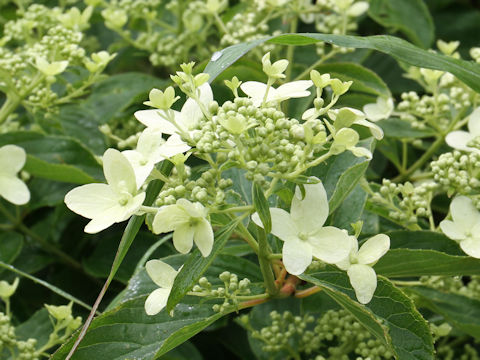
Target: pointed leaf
[(391, 316), (262, 207)]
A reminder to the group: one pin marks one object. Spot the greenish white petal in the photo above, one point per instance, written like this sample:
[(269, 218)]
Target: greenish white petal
[(183, 238), (364, 281), (297, 255), (156, 301), (203, 237), (168, 218), (161, 273), (452, 230), (373, 249), (311, 212), (464, 213), (471, 246), (14, 190), (329, 244), (119, 172)]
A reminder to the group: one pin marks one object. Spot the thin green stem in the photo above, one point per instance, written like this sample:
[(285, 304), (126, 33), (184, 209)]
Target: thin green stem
[(265, 265), (243, 231), (65, 258), (45, 284)]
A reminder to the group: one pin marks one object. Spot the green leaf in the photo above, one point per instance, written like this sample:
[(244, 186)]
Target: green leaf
[(351, 209), (196, 265), (11, 244), (466, 71), (39, 327), (340, 174), (409, 16), (127, 332), (418, 253), (400, 129), (364, 80), (56, 157), (460, 311), (406, 262), (390, 316), (112, 97), (261, 205)]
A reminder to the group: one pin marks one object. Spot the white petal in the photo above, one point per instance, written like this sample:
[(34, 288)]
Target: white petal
[(376, 130), (283, 226), (141, 166), (471, 246), (459, 140), (156, 301), (161, 273), (191, 112), (168, 218), (309, 113), (151, 118), (294, 89), (382, 109), (255, 90), (100, 223), (132, 206), (183, 238), (14, 190), (194, 210), (474, 122), (311, 212), (331, 245), (203, 237), (12, 159), (91, 200), (452, 230), (464, 213), (297, 255), (149, 141), (364, 281), (373, 249), (359, 151), (173, 146), (119, 172), (345, 263)]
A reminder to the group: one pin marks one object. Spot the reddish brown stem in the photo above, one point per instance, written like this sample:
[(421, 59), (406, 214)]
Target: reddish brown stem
[(307, 292)]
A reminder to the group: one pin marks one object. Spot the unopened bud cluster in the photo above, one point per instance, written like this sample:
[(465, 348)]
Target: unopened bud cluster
[(458, 172), (469, 287), (406, 202), (230, 291), (335, 334), (22, 350)]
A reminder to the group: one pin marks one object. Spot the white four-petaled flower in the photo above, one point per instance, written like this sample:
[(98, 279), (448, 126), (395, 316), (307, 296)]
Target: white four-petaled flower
[(163, 275), (359, 265), (303, 232), (465, 227), (12, 160), (109, 203), (295, 89), (187, 119), (151, 149), (460, 139), (189, 224)]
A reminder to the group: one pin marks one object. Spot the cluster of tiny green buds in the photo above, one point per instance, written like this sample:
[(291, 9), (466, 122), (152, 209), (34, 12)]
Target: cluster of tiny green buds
[(457, 172), (275, 70), (162, 100), (231, 292), (454, 285), (406, 202)]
